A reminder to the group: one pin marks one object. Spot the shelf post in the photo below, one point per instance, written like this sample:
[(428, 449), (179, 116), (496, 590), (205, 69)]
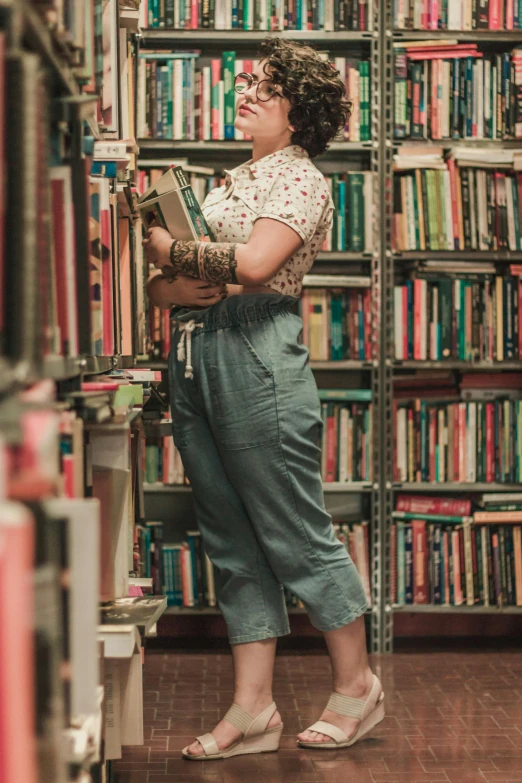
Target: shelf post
[(382, 323)]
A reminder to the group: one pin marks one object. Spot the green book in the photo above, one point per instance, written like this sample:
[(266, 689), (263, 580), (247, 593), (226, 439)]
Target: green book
[(335, 199), (364, 103), (151, 463), (407, 515), (346, 395), (229, 64), (355, 209), (432, 210)]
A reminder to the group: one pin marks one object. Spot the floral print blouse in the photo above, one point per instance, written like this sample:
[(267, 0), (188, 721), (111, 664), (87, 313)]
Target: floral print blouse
[(284, 186)]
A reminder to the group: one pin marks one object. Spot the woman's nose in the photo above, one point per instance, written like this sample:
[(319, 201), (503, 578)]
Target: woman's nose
[(252, 92)]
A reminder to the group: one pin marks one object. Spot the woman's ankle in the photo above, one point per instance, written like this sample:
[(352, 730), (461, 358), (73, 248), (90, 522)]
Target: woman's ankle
[(253, 702), (357, 685)]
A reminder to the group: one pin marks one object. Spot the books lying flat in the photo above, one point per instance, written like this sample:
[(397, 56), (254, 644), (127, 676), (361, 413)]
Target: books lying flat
[(170, 203)]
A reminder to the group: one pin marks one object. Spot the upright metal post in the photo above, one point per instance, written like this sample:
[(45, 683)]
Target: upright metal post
[(382, 321)]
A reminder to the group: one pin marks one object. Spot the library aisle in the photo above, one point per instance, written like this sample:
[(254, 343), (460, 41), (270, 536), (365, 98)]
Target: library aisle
[(119, 115), (450, 718)]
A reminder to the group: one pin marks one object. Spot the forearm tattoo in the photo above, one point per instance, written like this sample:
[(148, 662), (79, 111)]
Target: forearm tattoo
[(214, 262)]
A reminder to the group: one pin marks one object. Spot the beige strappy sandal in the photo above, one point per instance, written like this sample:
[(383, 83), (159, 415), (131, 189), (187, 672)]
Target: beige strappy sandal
[(351, 708), (257, 738)]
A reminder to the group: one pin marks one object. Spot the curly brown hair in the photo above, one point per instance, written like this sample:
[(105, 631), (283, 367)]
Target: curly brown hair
[(317, 95)]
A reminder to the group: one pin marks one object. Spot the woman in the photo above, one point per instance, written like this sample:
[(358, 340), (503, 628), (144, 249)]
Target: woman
[(245, 409)]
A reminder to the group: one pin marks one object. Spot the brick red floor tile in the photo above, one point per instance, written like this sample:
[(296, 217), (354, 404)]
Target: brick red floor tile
[(450, 718)]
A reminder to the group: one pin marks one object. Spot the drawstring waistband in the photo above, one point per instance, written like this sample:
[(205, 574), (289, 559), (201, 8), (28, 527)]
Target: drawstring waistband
[(185, 345)]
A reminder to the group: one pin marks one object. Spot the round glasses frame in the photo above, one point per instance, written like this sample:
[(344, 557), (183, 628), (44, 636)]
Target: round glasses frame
[(250, 81)]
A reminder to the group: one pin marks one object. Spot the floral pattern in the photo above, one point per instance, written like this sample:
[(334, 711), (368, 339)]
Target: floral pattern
[(284, 186)]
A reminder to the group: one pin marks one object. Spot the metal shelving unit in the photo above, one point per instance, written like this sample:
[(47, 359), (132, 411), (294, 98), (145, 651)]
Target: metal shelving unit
[(208, 147), (355, 487)]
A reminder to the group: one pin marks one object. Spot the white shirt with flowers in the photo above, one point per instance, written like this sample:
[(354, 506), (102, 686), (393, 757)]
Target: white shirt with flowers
[(284, 186)]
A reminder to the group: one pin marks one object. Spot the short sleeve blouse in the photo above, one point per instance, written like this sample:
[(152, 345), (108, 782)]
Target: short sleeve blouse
[(284, 186)]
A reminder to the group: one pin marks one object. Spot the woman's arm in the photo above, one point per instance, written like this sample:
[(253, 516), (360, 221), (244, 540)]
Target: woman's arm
[(270, 245)]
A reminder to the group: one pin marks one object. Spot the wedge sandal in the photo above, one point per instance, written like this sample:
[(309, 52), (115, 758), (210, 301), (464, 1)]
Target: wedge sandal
[(257, 738), (351, 708)]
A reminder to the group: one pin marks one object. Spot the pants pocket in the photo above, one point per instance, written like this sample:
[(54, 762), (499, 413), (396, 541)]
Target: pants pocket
[(243, 389)]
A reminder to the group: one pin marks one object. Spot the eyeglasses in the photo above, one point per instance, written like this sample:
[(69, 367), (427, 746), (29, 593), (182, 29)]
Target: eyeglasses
[(264, 92)]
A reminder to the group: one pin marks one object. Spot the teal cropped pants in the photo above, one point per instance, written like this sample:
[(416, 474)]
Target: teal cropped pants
[(248, 427)]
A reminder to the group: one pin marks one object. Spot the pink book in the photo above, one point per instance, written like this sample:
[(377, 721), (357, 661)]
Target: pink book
[(447, 54), (216, 76), (494, 14), (17, 693), (107, 272)]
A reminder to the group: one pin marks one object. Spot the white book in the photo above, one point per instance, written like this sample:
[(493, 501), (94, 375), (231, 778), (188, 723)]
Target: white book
[(177, 24), (143, 128), (207, 86), (210, 581), (228, 14), (83, 543), (124, 86), (337, 281), (329, 16), (220, 15), (177, 102), (112, 709), (398, 322), (250, 14), (239, 67), (448, 210)]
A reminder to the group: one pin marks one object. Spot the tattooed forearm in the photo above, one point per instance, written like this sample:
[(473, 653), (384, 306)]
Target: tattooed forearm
[(169, 273), (211, 261)]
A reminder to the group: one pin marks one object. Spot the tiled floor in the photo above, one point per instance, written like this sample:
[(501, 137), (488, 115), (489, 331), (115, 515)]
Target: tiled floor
[(451, 718)]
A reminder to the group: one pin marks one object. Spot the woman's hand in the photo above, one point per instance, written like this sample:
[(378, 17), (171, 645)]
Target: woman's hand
[(157, 244), (183, 291)]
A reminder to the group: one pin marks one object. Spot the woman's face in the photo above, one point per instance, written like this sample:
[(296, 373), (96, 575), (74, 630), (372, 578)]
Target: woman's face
[(262, 119)]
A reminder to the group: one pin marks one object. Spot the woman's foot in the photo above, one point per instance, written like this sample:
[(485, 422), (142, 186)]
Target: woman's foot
[(358, 689), (225, 734)]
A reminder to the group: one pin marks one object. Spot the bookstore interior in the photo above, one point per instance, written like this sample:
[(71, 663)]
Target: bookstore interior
[(120, 114)]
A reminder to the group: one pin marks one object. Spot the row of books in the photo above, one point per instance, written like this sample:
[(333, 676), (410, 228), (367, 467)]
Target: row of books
[(455, 551), (457, 15), (457, 208), (337, 320), (457, 92), (461, 441), (456, 565), (347, 432), (468, 317), (189, 577), (179, 98), (352, 195), (257, 15), (345, 442)]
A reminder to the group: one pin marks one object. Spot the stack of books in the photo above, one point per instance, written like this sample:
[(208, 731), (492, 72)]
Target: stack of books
[(457, 15), (471, 201), (180, 99), (257, 15), (447, 90), (445, 553)]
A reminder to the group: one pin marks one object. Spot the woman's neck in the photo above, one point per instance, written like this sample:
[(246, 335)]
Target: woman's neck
[(261, 148)]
